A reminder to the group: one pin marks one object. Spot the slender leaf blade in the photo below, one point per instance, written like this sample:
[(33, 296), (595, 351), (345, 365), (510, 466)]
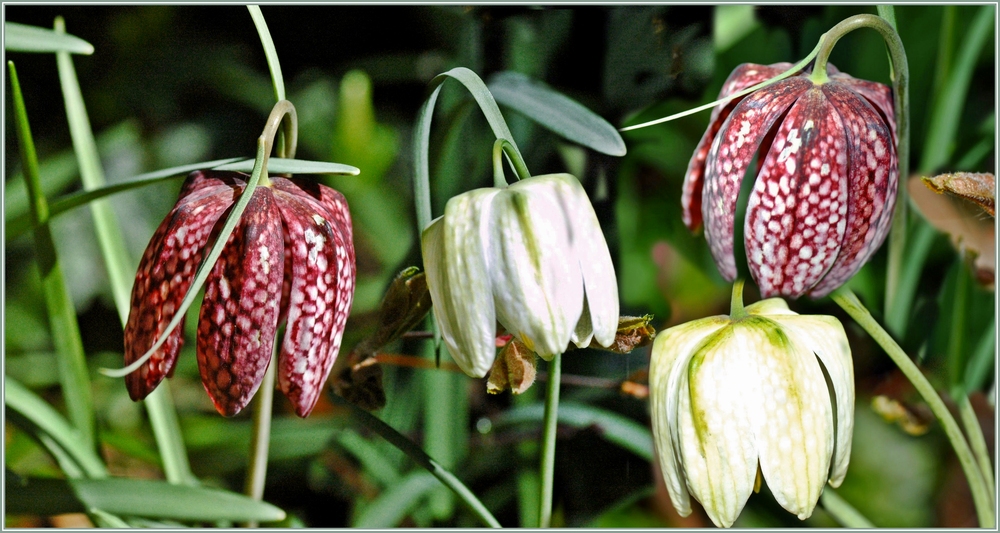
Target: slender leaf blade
[(615, 428), (47, 420), (279, 165), (25, 38), (390, 507), (556, 112), (136, 497), (71, 360)]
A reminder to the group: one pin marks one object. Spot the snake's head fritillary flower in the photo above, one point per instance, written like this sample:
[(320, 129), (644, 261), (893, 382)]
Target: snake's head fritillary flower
[(530, 256), (734, 398), (823, 198), (290, 258)]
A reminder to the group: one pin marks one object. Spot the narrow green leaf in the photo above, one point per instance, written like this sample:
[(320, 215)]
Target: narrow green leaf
[(390, 507), (109, 233), (21, 223), (71, 360), (24, 38), (722, 101), (45, 419), (135, 497), (118, 263), (374, 463), (557, 112), (982, 360), (947, 111), (277, 165), (615, 428), (415, 453)]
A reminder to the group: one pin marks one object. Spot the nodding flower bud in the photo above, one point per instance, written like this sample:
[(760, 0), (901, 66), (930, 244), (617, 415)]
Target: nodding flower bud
[(824, 193), (290, 257), (736, 398), (530, 256)]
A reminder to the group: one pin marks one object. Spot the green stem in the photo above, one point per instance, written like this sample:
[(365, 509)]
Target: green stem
[(736, 309), (408, 447), (976, 439), (261, 436), (841, 511), (549, 426), (981, 494)]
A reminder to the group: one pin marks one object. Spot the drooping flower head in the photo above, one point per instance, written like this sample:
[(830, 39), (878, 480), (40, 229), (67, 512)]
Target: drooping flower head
[(823, 198), (290, 258), (731, 395), (530, 256)]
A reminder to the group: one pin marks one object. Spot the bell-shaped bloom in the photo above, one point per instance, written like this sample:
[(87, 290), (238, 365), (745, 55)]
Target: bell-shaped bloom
[(290, 257), (735, 398), (531, 256), (823, 198)]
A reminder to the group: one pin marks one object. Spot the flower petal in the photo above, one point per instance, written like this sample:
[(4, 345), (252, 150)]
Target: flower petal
[(742, 77), (825, 337), (239, 314), (717, 443), (731, 153), (872, 182), (877, 94), (797, 212), (537, 283), (599, 317), (455, 260), (165, 273), (672, 351), (317, 310), (789, 406)]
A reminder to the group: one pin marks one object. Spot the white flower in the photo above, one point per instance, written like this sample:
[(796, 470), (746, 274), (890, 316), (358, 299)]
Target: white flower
[(729, 394), (531, 256)]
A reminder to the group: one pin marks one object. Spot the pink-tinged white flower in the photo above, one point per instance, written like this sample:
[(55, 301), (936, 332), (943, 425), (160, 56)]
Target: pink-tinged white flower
[(290, 258), (530, 256), (823, 198), (731, 395)]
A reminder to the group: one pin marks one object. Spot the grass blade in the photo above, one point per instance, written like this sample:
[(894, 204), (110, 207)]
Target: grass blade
[(25, 38), (117, 261), (408, 447), (136, 497), (615, 428), (390, 507), (557, 112), (74, 377), (47, 421), (22, 223), (947, 111)]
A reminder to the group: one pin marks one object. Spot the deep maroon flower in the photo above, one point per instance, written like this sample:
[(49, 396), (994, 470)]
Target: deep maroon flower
[(823, 199), (291, 256)]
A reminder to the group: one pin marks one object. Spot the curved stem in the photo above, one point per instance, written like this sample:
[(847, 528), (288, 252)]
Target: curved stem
[(549, 426), (981, 494), (900, 81)]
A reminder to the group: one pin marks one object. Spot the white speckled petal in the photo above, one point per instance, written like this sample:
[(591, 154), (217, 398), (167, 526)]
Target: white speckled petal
[(790, 411), (718, 449), (600, 314), (672, 350), (457, 266), (825, 336), (537, 284)]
